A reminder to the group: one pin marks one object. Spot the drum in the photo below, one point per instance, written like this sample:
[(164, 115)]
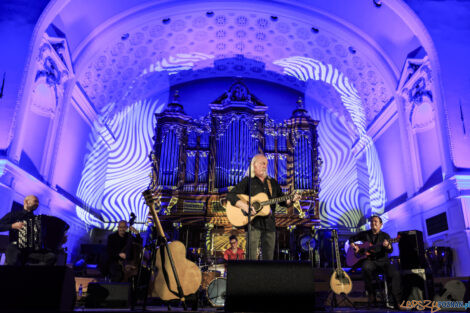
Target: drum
[(216, 292), (208, 277), (219, 268)]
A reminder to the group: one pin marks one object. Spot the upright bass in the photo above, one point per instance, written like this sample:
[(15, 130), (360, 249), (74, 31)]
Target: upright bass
[(176, 277)]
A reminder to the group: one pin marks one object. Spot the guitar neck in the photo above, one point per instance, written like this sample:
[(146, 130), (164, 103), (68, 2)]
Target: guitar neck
[(394, 240), (151, 205), (276, 200), (338, 259)]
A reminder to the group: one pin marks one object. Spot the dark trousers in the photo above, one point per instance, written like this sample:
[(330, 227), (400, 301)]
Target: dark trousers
[(13, 255), (17, 257), (115, 271), (268, 241), (370, 269)]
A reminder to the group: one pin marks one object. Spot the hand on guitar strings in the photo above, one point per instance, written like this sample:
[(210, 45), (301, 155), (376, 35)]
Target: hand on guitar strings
[(355, 247), (297, 196), (244, 207), (386, 244)]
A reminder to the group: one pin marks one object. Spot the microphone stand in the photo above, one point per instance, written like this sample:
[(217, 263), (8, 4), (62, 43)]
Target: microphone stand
[(249, 214)]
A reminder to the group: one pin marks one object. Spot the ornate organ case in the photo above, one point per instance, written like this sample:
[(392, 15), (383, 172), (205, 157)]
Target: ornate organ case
[(197, 161)]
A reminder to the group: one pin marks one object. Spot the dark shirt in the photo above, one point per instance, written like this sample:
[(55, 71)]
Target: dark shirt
[(11, 218), (380, 252), (117, 244), (265, 223)]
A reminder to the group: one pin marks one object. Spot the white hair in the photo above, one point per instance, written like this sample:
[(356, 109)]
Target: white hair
[(252, 165)]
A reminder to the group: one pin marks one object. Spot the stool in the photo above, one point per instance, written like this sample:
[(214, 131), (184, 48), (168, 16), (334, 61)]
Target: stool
[(381, 285)]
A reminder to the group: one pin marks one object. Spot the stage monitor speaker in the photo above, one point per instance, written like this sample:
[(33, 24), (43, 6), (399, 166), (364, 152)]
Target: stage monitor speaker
[(269, 286), (416, 286), (411, 249), (107, 295), (37, 288)]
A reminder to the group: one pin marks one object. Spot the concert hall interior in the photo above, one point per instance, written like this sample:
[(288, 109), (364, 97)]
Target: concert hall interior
[(362, 106)]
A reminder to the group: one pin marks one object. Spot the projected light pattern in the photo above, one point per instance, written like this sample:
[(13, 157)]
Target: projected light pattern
[(179, 62), (339, 195), (344, 198), (117, 168)]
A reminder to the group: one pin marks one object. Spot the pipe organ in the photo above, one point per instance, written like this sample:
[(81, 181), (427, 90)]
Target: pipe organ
[(197, 160)]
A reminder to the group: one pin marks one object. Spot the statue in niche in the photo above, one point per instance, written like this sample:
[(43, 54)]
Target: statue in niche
[(421, 111)]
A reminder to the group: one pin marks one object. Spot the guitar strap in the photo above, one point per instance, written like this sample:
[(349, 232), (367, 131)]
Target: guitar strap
[(270, 187), (165, 273)]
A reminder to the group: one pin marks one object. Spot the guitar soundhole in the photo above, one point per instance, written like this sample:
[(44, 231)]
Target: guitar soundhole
[(256, 206)]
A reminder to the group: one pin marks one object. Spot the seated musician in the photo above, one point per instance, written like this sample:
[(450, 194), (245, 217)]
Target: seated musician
[(378, 261), (119, 250), (234, 252), (12, 222)]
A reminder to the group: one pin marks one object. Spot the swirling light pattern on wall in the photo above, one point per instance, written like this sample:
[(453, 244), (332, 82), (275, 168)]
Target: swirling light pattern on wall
[(338, 198), (117, 168)]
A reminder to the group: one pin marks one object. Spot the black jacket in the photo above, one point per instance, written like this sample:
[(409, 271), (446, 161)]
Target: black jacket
[(13, 217), (380, 252)]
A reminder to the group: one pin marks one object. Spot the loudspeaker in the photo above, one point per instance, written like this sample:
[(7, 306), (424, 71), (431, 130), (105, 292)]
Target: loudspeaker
[(269, 286), (107, 295), (38, 288), (411, 250), (416, 286)]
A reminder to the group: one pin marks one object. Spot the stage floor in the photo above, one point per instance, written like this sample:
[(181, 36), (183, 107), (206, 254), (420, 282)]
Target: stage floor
[(215, 310)]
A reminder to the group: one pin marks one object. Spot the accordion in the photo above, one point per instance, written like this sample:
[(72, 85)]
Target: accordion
[(42, 232)]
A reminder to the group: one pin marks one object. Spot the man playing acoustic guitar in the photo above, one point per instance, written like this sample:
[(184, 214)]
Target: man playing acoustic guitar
[(377, 259), (261, 227)]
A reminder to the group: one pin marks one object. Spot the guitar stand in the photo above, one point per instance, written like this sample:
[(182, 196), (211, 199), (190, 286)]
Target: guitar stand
[(334, 302), (163, 244)]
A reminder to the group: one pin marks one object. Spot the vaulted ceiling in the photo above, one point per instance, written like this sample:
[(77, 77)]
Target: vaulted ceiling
[(121, 48)]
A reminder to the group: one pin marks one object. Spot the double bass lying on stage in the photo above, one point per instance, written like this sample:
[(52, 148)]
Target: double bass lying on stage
[(176, 277)]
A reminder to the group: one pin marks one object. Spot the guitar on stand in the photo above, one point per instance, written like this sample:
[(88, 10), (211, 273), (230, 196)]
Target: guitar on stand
[(177, 277), (340, 282)]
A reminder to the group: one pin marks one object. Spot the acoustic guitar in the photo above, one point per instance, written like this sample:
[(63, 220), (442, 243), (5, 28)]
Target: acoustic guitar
[(340, 282), (261, 206), (365, 250), (177, 277), (454, 290)]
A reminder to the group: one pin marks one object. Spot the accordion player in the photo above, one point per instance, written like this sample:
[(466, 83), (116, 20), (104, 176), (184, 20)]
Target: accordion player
[(33, 239)]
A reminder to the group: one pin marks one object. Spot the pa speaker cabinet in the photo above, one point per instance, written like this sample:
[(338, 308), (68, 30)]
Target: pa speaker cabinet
[(417, 285), (411, 250), (269, 286), (107, 295), (37, 288)]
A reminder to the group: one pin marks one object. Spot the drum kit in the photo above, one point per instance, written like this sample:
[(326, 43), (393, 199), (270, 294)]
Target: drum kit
[(214, 281)]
